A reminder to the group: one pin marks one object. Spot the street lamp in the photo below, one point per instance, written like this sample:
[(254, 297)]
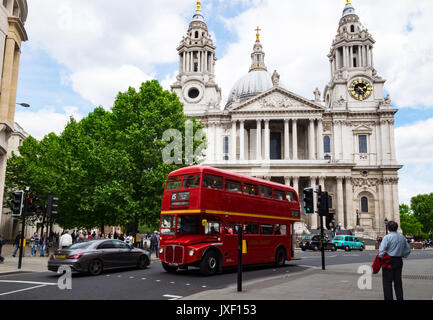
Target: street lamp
[(25, 105), (386, 225)]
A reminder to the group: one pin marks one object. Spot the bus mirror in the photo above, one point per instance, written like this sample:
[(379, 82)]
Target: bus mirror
[(204, 222)]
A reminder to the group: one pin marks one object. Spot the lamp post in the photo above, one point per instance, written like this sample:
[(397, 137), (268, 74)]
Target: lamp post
[(386, 226)]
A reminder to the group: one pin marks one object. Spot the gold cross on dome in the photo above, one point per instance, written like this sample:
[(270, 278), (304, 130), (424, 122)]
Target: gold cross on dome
[(198, 5), (347, 2), (258, 34)]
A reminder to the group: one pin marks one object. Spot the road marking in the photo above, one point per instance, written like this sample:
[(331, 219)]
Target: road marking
[(16, 291), (172, 297), (29, 282)]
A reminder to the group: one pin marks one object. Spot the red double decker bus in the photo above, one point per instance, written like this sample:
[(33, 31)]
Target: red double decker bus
[(204, 209)]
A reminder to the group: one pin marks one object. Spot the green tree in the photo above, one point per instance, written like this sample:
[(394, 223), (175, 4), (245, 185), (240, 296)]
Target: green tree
[(422, 207), (409, 223)]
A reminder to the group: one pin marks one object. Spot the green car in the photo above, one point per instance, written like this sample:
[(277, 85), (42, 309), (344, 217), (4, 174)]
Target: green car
[(347, 243)]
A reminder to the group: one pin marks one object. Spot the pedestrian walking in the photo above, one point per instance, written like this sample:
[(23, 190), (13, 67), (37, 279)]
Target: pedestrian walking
[(65, 240), (2, 242), (17, 243), (43, 244), (154, 244), (397, 247), (35, 244)]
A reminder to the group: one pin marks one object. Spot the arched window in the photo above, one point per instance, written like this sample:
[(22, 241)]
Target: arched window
[(364, 204), (196, 34), (352, 28), (326, 144)]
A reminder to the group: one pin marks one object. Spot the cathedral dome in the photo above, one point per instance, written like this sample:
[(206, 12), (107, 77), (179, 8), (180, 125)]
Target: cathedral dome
[(252, 84)]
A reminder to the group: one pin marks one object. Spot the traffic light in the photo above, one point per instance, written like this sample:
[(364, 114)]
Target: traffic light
[(309, 200), (17, 203), (323, 204), (31, 204), (52, 205)]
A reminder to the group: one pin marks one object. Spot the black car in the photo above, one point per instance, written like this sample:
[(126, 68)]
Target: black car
[(97, 255), (312, 242)]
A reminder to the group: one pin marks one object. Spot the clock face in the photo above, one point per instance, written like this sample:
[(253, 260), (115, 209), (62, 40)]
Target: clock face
[(361, 89)]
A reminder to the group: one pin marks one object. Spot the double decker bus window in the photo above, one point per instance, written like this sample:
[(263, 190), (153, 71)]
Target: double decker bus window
[(213, 227), (167, 225), (266, 229), (213, 182), (233, 228), (291, 196), (173, 183), (266, 192), (187, 224), (251, 228), (251, 189), (280, 229), (191, 182), (279, 195), (233, 186)]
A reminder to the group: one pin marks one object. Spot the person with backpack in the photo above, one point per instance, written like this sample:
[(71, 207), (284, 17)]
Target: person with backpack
[(154, 242)]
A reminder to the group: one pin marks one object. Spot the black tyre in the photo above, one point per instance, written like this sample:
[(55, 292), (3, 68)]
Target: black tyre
[(347, 248), (209, 264), (143, 262), (333, 248), (280, 257), (361, 249), (95, 267), (168, 268), (315, 248)]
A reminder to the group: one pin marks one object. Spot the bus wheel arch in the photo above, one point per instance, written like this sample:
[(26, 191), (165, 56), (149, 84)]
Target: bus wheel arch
[(280, 255)]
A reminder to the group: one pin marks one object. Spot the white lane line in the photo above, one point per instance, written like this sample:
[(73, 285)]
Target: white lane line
[(172, 297), (16, 291), (29, 282)]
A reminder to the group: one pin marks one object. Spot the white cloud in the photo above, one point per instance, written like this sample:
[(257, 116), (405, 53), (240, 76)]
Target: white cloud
[(40, 123), (415, 151)]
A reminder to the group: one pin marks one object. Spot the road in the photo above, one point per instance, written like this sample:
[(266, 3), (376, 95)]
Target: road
[(155, 284)]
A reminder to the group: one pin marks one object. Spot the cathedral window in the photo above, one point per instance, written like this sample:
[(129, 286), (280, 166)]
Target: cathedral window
[(326, 144), (226, 145), (193, 93), (352, 28), (364, 204), (362, 144), (196, 34)]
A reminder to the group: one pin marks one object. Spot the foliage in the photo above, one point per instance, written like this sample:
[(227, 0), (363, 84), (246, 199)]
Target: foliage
[(409, 223), (422, 207), (106, 169)]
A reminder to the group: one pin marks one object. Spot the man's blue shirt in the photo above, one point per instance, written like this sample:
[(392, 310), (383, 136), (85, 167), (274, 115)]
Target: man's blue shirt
[(395, 245)]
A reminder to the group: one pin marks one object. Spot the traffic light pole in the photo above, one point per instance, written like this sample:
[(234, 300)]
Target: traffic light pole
[(23, 227), (322, 233)]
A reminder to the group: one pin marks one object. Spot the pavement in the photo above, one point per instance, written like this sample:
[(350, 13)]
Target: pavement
[(337, 282)]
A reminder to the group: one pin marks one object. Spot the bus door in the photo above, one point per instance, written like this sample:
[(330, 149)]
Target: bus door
[(231, 237), (254, 245)]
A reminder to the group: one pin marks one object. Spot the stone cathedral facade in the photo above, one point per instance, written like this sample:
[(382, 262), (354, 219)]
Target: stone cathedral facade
[(342, 140)]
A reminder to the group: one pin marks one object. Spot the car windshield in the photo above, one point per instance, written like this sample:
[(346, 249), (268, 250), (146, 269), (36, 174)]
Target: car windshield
[(80, 245), (307, 238), (338, 238)]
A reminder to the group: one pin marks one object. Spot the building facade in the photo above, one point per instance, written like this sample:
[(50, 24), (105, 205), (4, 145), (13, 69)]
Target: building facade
[(13, 14), (342, 140)]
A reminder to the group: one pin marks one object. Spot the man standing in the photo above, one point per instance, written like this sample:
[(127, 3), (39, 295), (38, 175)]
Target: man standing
[(154, 241), (43, 244), (17, 243), (397, 247), (65, 240)]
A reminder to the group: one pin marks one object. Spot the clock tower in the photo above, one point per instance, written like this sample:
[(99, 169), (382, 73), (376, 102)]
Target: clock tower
[(354, 83), (195, 83)]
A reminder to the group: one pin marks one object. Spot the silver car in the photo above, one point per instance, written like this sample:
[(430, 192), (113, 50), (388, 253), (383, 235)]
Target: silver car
[(97, 255)]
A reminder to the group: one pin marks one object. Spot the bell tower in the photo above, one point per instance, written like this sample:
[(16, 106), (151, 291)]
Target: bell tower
[(195, 83), (354, 83)]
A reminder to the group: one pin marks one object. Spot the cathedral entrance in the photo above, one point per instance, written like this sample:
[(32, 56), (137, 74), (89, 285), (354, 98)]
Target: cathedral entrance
[(275, 146)]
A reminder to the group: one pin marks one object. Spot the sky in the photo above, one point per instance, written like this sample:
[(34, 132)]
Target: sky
[(81, 53)]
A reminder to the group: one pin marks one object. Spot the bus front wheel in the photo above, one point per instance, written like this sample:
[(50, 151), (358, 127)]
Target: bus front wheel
[(280, 257), (209, 264)]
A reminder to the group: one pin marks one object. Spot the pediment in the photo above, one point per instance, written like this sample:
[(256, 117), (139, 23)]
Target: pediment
[(277, 99)]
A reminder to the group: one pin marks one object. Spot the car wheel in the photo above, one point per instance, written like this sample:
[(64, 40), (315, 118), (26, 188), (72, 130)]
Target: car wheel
[(303, 249), (280, 257), (333, 248), (315, 248), (143, 262), (209, 264), (95, 267), (168, 268), (362, 248), (347, 248)]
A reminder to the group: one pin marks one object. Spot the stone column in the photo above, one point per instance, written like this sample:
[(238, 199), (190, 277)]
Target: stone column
[(8, 75), (286, 140), (388, 199), (385, 142), (392, 142), (267, 141), (295, 139), (296, 187), (233, 141), (340, 201), (287, 181), (242, 140), (396, 206), (259, 140), (349, 203), (311, 142), (320, 154)]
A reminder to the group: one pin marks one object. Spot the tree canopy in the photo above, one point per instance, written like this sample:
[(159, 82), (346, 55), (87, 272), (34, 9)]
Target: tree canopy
[(108, 168)]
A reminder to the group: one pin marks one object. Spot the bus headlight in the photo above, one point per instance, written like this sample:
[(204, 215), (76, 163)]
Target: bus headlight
[(191, 252), (161, 250)]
